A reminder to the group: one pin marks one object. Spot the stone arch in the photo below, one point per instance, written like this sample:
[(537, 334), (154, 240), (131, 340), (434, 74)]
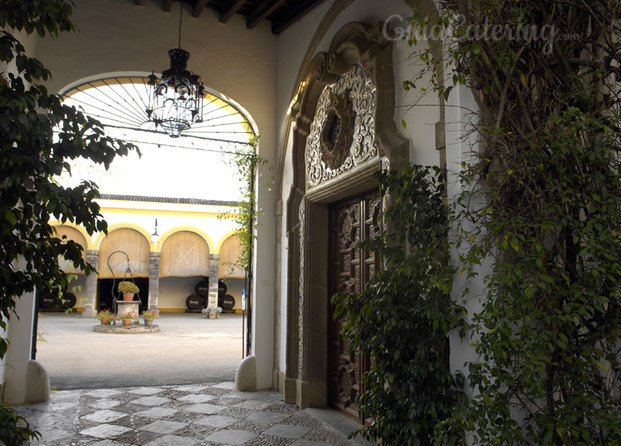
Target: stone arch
[(184, 254), (130, 241), (361, 54), (200, 233), (71, 233), (229, 251)]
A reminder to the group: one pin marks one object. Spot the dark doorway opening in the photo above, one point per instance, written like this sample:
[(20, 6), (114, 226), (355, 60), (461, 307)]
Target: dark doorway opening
[(105, 294)]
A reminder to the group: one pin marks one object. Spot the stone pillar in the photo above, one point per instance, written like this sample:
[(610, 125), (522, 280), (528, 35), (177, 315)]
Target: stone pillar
[(214, 264), (19, 334), (90, 288), (154, 281)]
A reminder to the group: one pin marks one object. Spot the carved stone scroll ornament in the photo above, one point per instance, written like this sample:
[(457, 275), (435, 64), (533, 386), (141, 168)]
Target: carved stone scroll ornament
[(342, 134), (302, 217)]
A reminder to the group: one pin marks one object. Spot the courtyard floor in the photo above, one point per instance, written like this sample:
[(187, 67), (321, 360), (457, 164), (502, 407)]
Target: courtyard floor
[(188, 349), (173, 388), (186, 415)]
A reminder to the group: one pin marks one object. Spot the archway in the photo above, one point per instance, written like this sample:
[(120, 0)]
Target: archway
[(123, 255), (184, 263)]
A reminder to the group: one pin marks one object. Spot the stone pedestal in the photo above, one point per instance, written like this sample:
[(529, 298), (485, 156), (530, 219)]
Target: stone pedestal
[(154, 281), (90, 288), (127, 306), (214, 265)]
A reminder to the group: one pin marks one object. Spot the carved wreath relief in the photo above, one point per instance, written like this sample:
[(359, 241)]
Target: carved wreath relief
[(343, 132)]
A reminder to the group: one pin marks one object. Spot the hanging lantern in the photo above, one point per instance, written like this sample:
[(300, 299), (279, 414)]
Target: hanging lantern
[(176, 99)]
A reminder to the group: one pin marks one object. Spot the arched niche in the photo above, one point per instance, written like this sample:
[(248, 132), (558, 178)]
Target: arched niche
[(112, 260), (70, 233), (184, 254), (230, 251)]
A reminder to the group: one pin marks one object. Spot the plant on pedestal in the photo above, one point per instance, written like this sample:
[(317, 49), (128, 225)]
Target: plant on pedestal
[(127, 318), (128, 289), (105, 316), (148, 317)]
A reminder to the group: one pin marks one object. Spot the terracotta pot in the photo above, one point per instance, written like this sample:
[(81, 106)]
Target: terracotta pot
[(148, 322), (105, 321), (128, 296), (127, 322)]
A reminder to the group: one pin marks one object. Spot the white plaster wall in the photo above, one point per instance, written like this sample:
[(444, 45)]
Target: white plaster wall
[(287, 181), (174, 291)]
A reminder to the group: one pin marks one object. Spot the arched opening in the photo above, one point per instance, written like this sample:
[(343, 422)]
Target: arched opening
[(163, 211), (123, 255), (231, 271), (73, 296), (184, 264)]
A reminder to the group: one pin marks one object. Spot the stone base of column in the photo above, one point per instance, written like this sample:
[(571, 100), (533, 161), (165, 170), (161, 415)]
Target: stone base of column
[(91, 314)]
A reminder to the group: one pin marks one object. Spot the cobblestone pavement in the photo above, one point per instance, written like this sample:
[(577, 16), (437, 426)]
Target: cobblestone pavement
[(185, 415)]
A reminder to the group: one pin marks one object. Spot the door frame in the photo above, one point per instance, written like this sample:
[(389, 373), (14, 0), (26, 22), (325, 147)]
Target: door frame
[(306, 382)]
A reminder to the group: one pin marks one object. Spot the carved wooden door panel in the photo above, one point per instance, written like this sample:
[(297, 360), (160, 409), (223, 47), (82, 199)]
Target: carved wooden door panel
[(350, 268)]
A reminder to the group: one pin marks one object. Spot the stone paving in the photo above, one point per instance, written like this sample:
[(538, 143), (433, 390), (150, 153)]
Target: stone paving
[(180, 415)]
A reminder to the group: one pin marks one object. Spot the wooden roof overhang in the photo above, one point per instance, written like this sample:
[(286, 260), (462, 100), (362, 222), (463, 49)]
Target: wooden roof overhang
[(281, 13)]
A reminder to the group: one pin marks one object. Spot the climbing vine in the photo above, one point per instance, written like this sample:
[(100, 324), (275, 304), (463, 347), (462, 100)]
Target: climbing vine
[(246, 164), (545, 179), (402, 318)]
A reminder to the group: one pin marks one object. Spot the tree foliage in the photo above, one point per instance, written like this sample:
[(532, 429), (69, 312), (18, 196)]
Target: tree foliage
[(402, 318), (545, 177), (39, 135)]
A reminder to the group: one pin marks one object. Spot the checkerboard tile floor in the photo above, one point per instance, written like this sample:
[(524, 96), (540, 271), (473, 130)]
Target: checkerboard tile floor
[(188, 415)]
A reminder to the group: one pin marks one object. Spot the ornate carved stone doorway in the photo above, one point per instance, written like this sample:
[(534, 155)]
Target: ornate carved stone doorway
[(344, 133), (351, 222)]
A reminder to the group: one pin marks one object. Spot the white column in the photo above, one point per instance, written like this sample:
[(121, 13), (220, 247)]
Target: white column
[(19, 333)]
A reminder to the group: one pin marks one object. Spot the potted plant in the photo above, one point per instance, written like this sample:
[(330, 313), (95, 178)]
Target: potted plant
[(127, 318), (148, 317), (105, 316), (128, 289), (212, 312)]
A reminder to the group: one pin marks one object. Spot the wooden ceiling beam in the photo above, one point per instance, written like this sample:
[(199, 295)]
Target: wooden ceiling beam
[(198, 7), (262, 11), (226, 15), (292, 15), (167, 5)]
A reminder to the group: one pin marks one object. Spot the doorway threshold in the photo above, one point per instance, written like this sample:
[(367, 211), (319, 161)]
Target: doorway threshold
[(338, 421)]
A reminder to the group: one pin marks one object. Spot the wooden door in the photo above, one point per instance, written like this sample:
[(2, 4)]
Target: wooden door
[(351, 222)]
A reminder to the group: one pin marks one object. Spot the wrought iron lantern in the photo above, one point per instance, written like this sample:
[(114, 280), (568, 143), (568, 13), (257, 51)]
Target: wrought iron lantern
[(175, 99)]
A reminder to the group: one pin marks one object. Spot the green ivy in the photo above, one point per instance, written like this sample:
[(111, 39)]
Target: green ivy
[(402, 318), (246, 164), (542, 207)]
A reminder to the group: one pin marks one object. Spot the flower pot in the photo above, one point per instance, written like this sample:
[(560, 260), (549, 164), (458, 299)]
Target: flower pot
[(128, 296), (127, 322), (105, 321), (148, 322)]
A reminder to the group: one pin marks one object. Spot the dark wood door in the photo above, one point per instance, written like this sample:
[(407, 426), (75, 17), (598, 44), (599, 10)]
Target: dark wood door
[(351, 222)]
